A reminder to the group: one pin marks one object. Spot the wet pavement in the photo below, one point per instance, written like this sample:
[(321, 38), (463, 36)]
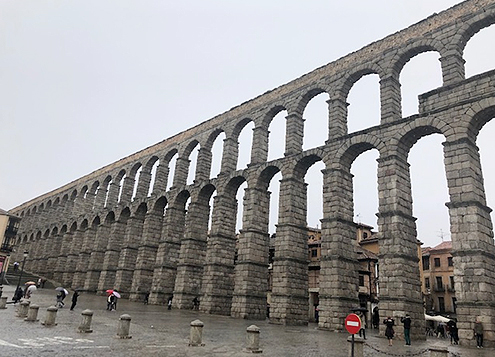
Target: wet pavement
[(156, 331)]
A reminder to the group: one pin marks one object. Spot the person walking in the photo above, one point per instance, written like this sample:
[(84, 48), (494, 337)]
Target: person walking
[(389, 330), (169, 303), (454, 332), (478, 333), (406, 321), (74, 300)]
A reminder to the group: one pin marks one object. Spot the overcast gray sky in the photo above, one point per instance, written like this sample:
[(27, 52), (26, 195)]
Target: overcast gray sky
[(85, 83)]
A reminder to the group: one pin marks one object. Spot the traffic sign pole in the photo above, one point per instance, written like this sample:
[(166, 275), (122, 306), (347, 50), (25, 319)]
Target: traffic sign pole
[(352, 325)]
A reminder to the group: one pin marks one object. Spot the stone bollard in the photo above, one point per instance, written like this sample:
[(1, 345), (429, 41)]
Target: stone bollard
[(85, 326), (438, 351), (23, 308), (32, 315), (196, 335), (51, 315), (253, 339), (358, 346), (3, 302), (124, 326)]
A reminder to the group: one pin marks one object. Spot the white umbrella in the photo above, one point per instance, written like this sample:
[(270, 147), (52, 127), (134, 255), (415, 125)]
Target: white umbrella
[(117, 295), (437, 318), (31, 288)]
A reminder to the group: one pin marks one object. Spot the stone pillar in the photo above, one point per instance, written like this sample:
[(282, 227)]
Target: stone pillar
[(128, 254), (32, 315), (289, 303), (61, 263), (400, 285), (203, 165), (356, 346), (453, 70), (218, 277), (472, 240), (192, 254), (113, 194), (143, 184), (259, 148), (294, 134), (181, 171), (253, 339), (3, 302), (146, 255), (100, 198), (390, 99), (51, 315), (124, 327), (97, 255), (72, 257), (231, 155), (167, 255), (53, 253), (337, 117), (339, 279), (196, 335), (127, 190), (85, 326), (111, 259), (251, 270), (161, 178), (23, 308), (83, 258)]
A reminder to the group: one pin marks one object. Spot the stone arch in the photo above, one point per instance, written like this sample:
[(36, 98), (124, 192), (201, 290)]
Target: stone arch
[(351, 149), (480, 118), (472, 26), (406, 53), (358, 73), (303, 100)]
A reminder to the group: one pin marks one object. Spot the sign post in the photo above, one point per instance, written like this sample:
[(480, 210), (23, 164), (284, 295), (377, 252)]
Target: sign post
[(352, 325)]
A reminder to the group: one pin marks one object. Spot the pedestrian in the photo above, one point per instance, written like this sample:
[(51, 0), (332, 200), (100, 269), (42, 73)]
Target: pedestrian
[(195, 303), (146, 298), (112, 302), (60, 298), (74, 300), (18, 295), (16, 266), (389, 330), (406, 321), (376, 317), (454, 332), (169, 303), (362, 330), (478, 333)]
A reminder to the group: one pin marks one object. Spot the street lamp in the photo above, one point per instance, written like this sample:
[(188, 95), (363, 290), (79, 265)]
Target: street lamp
[(22, 270)]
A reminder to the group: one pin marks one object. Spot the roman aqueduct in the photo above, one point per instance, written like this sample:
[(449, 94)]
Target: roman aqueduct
[(100, 231)]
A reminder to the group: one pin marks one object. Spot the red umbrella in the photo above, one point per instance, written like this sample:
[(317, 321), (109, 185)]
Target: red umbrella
[(109, 291)]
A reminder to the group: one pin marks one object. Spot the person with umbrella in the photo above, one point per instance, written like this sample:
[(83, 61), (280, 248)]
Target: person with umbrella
[(62, 293)]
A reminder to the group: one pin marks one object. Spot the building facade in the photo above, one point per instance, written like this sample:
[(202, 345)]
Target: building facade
[(438, 280), (9, 225)]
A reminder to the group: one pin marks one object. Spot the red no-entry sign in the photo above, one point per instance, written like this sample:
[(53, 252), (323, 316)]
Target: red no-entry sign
[(352, 323)]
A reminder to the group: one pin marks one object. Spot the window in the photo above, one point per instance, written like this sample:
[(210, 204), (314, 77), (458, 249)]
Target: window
[(427, 283), (361, 280), (441, 304), (314, 253), (439, 283), (426, 263), (365, 235), (451, 282), (450, 262), (437, 262), (454, 304)]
